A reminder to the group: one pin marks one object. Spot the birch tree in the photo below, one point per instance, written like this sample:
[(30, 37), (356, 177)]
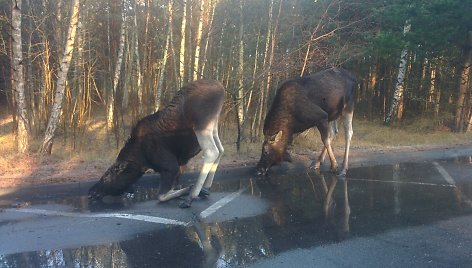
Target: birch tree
[(170, 11), (198, 41), (240, 90), (182, 43), (22, 135), (117, 72), (54, 117), (400, 82), (263, 93), (240, 101)]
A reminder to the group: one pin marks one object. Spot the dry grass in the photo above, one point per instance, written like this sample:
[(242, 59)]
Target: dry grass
[(97, 148)]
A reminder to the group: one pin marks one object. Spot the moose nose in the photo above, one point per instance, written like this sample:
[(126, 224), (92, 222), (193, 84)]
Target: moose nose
[(262, 171)]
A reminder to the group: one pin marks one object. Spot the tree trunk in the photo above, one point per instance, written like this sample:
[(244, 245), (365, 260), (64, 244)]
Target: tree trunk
[(22, 135), (212, 8), (400, 84), (263, 94), (240, 91), (198, 41), (170, 10), (372, 85), (117, 73), (461, 111), (46, 146), (240, 100), (182, 44)]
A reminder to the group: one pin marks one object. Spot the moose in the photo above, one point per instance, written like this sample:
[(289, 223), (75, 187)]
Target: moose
[(167, 140), (316, 100)]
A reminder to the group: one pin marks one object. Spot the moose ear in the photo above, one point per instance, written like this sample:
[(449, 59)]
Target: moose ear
[(276, 138)]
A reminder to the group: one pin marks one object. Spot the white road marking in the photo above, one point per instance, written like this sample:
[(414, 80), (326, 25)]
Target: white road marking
[(220, 203), (444, 173), (138, 217), (146, 218), (450, 180), (406, 182)]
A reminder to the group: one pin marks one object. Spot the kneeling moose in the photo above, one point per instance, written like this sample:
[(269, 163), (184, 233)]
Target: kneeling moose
[(168, 139), (311, 101)]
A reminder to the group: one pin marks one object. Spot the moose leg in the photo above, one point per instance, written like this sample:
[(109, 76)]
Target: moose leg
[(209, 180), (325, 137), (332, 131), (168, 179), (347, 120), (210, 155)]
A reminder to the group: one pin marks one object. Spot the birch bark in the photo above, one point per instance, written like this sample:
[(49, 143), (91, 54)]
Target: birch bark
[(117, 73), (400, 84), (170, 10), (48, 141), (22, 135), (182, 44), (198, 42), (240, 101)]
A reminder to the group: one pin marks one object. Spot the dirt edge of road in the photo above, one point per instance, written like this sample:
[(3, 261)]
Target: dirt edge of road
[(51, 171)]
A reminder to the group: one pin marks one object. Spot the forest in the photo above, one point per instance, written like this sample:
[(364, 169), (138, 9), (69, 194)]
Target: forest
[(70, 67)]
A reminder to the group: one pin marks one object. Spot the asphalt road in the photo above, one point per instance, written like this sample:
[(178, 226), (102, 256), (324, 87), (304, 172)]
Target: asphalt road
[(403, 210)]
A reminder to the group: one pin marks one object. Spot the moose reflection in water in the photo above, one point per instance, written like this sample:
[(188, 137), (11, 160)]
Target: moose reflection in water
[(168, 139), (305, 211), (302, 103)]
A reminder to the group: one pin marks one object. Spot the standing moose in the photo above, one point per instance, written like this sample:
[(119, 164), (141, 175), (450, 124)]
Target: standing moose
[(168, 139), (311, 101)]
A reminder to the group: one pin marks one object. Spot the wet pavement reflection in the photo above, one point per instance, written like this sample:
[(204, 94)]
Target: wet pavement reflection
[(270, 217)]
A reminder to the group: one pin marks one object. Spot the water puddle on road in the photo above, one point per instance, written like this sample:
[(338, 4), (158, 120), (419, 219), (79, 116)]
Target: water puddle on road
[(304, 210)]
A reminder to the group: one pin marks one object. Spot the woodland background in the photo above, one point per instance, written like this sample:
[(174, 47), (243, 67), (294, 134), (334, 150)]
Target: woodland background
[(72, 69)]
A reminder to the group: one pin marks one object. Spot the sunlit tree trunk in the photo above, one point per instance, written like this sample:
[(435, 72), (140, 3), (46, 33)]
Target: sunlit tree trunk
[(117, 73), (240, 102), (263, 94), (46, 146), (22, 135), (198, 41), (183, 30), (252, 130), (162, 68), (460, 115), (240, 90), (208, 37), (373, 80), (434, 92), (136, 66), (400, 83)]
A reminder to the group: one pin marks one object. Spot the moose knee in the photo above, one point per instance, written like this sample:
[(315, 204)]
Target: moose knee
[(211, 154)]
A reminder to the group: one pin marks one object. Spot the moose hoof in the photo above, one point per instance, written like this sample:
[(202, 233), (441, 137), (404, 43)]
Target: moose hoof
[(342, 173), (186, 203), (315, 165), (204, 192)]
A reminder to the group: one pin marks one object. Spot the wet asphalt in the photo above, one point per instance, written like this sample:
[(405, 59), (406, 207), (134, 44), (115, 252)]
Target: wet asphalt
[(397, 210)]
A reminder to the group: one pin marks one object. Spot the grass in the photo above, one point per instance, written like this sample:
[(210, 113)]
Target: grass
[(99, 145)]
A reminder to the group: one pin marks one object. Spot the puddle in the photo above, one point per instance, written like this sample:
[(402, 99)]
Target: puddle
[(303, 211)]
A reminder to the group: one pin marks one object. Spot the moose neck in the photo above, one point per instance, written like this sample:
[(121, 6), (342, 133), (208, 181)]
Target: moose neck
[(287, 132)]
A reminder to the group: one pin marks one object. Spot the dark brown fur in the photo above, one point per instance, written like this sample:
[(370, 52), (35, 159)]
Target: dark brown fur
[(163, 141), (303, 103)]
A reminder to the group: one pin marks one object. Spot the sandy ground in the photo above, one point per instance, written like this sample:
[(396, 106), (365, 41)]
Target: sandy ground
[(48, 170)]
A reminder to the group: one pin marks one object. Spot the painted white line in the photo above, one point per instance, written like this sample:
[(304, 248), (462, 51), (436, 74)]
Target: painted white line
[(220, 203), (444, 173), (406, 182), (138, 217), (450, 180)]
